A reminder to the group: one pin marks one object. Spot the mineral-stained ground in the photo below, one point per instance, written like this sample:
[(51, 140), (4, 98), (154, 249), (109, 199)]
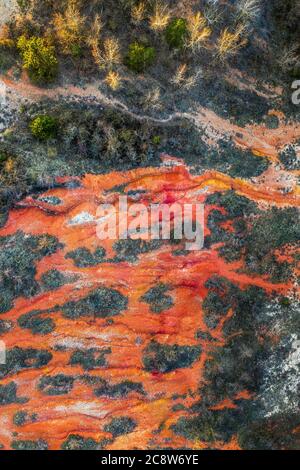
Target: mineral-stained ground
[(141, 344)]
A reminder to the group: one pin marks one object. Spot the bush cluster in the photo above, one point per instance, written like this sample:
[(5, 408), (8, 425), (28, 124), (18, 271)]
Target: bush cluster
[(39, 59), (44, 127)]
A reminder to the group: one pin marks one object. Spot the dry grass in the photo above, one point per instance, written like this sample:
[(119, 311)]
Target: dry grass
[(230, 43), (111, 52), (7, 43), (248, 10), (160, 17), (113, 80), (199, 32), (180, 75), (109, 55), (138, 12), (152, 99), (69, 27)]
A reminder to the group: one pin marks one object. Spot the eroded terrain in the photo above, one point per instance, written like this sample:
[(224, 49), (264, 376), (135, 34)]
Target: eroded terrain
[(132, 344)]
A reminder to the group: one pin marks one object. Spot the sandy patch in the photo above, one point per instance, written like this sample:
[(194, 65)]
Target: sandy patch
[(7, 7)]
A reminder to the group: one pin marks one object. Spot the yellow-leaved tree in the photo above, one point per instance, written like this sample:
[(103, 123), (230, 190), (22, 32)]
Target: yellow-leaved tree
[(69, 29)]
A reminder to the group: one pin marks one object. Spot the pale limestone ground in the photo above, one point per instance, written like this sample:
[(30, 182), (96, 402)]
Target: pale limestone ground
[(7, 7)]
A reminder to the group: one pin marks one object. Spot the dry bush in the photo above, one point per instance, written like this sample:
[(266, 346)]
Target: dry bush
[(160, 17), (212, 13), (138, 12), (95, 50), (182, 80), (94, 37), (97, 27), (24, 24), (152, 99), (199, 32), (113, 80), (112, 141), (180, 75), (69, 27), (288, 58), (111, 52), (109, 55), (229, 43), (5, 32), (248, 10), (6, 43)]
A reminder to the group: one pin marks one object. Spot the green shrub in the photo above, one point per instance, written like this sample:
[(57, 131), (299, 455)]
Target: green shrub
[(3, 157), (7, 58), (23, 5), (44, 127), (139, 57), (176, 32), (39, 59)]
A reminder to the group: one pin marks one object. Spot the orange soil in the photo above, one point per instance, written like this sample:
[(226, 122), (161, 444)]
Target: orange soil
[(79, 411)]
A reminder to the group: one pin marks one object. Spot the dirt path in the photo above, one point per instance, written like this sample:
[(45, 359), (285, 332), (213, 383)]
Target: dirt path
[(261, 140)]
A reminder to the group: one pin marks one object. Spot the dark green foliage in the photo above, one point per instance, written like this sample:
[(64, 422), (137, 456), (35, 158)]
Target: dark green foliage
[(3, 157), (44, 127), (22, 417), (24, 5), (29, 445), (56, 385), (77, 442), (227, 158), (139, 57), (37, 324), (53, 279), (90, 359), (18, 359), (100, 303), (286, 16), (274, 230), (164, 358), (120, 426), (8, 394), (276, 433), (210, 425), (129, 250), (234, 367), (5, 326), (289, 159), (39, 59), (224, 295), (253, 239), (83, 258), (119, 390), (272, 122), (234, 204), (214, 307), (7, 58), (176, 33), (18, 255), (157, 299)]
